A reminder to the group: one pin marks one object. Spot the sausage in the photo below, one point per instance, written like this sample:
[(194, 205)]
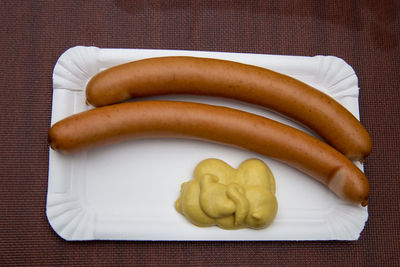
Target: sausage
[(256, 85), (149, 119)]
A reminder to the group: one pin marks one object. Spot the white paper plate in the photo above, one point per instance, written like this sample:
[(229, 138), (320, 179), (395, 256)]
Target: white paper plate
[(127, 191)]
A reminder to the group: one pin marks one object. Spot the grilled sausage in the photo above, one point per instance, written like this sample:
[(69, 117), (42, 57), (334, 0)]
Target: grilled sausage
[(256, 85), (146, 119)]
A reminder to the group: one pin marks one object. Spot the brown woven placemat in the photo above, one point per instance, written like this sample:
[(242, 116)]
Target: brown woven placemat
[(33, 34)]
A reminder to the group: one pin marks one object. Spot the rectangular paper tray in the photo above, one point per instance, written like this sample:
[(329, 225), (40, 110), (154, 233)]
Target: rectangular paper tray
[(127, 191)]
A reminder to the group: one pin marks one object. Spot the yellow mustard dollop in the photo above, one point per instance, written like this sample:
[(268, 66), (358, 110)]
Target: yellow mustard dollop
[(227, 197)]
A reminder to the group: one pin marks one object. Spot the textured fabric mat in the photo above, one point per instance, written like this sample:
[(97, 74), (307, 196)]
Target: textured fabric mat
[(33, 34)]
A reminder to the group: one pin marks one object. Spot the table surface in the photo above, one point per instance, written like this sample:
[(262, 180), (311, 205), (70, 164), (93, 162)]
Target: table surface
[(33, 34)]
